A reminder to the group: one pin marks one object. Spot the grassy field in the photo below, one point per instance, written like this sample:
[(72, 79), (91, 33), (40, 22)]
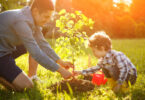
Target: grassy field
[(134, 49)]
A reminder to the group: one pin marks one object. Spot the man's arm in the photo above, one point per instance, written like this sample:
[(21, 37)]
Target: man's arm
[(25, 34), (44, 45)]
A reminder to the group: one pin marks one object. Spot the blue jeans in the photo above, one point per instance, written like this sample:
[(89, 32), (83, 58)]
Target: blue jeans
[(115, 75)]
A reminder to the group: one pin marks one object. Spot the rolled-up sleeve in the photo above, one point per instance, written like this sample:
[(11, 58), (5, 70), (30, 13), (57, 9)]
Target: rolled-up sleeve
[(24, 32), (90, 70), (44, 45)]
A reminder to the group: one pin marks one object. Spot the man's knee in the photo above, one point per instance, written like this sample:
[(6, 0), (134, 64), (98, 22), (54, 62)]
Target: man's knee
[(30, 84), (22, 82), (26, 86)]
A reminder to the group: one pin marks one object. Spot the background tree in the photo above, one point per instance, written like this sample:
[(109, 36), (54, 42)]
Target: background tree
[(12, 4), (63, 4), (138, 10), (119, 20), (140, 30)]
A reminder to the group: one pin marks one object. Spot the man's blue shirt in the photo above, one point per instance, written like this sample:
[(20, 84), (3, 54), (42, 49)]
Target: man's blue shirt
[(17, 28)]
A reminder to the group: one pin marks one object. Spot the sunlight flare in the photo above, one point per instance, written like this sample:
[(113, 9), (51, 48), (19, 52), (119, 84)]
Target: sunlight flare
[(127, 2)]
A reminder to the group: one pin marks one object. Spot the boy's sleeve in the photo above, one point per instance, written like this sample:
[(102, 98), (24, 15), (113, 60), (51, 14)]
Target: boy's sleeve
[(44, 45), (92, 69), (24, 32), (122, 65)]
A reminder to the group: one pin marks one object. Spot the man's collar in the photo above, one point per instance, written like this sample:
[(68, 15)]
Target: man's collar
[(26, 11)]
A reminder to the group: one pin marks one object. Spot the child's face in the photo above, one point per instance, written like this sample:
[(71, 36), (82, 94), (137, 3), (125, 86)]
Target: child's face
[(99, 52), (42, 18)]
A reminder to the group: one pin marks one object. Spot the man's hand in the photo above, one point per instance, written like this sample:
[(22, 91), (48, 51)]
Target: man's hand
[(117, 88), (65, 64), (64, 73), (77, 73)]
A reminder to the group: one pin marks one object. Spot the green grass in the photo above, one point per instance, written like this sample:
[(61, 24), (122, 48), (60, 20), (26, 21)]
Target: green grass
[(134, 49)]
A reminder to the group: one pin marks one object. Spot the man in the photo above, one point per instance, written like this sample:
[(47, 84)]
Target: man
[(22, 27)]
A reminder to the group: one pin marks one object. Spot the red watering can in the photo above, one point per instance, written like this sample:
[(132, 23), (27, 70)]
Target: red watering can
[(98, 79)]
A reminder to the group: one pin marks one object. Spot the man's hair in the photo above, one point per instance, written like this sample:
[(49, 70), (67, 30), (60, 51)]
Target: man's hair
[(100, 39), (42, 5)]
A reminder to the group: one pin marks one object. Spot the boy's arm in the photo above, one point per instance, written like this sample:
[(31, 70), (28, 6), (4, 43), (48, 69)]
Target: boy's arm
[(122, 65), (24, 32), (91, 70)]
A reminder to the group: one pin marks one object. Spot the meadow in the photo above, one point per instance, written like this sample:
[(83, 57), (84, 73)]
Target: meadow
[(133, 48)]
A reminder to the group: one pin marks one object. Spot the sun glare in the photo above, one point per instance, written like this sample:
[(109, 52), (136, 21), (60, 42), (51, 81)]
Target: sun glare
[(127, 2), (54, 1)]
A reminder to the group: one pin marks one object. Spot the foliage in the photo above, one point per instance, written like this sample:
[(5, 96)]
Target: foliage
[(138, 10), (140, 30), (12, 4), (71, 24), (120, 21), (125, 27), (63, 4), (134, 49), (106, 16)]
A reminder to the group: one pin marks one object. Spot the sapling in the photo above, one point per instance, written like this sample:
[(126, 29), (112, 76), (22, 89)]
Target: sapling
[(71, 45), (72, 25)]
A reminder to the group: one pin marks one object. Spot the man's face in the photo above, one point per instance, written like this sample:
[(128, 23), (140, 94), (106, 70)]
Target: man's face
[(43, 18)]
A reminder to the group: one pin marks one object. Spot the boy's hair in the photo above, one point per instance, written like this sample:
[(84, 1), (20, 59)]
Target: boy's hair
[(100, 39), (42, 5)]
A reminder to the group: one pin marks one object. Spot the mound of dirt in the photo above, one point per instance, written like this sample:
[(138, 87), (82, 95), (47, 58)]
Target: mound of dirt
[(88, 77), (75, 84)]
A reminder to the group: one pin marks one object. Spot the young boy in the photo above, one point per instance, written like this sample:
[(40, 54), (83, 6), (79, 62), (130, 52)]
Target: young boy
[(22, 27), (115, 65)]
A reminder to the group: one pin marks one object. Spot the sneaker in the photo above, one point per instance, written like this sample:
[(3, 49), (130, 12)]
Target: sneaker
[(35, 77)]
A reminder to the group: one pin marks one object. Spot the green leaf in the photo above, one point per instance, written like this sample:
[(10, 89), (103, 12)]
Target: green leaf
[(63, 11)]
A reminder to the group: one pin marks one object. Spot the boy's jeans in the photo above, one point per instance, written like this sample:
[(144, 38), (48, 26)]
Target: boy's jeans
[(113, 73)]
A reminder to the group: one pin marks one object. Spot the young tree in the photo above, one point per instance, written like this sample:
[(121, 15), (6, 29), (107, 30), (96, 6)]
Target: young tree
[(71, 24)]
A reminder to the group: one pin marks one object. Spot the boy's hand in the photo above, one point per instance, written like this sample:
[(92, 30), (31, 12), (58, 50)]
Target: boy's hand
[(64, 73), (117, 88), (77, 73), (65, 64)]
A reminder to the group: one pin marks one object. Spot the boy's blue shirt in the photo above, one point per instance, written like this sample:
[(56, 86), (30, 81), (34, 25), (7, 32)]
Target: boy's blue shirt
[(16, 28), (112, 59)]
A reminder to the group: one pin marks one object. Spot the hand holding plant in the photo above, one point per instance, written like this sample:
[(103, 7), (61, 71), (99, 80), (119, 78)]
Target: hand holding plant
[(64, 73), (65, 64), (76, 73)]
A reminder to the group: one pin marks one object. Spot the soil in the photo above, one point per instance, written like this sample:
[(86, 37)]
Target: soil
[(77, 85), (88, 77)]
